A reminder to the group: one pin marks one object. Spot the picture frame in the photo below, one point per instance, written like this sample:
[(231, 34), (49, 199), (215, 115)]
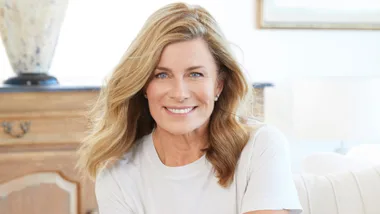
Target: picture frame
[(314, 14)]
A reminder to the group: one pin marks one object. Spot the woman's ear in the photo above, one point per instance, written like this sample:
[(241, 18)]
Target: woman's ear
[(219, 87), (220, 83)]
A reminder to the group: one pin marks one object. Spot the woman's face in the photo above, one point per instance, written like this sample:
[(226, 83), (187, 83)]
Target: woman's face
[(182, 92)]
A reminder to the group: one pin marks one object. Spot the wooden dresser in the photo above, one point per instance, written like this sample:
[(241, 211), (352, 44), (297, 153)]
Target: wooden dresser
[(40, 130)]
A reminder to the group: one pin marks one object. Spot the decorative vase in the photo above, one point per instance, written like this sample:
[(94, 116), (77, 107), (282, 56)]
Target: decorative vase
[(30, 31)]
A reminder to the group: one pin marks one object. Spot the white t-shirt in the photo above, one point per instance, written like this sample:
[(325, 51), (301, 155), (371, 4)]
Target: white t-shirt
[(141, 184)]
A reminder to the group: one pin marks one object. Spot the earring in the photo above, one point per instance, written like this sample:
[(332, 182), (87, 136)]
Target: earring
[(145, 96), (216, 98)]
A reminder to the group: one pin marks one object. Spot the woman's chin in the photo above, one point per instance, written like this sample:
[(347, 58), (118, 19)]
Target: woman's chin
[(180, 129)]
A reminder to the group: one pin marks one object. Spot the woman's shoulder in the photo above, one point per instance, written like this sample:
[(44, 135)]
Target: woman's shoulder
[(263, 139), (266, 135), (265, 145)]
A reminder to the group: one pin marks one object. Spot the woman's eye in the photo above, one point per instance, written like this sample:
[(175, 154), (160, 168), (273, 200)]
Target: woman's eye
[(195, 74), (161, 75)]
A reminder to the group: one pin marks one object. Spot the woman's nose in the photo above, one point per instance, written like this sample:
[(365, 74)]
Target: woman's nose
[(179, 91)]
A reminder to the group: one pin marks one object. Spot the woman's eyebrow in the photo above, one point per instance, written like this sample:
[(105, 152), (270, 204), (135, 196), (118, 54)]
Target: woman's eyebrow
[(194, 67), (187, 69), (163, 68)]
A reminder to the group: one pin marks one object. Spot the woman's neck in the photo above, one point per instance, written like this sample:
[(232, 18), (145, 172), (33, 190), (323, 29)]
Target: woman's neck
[(179, 150)]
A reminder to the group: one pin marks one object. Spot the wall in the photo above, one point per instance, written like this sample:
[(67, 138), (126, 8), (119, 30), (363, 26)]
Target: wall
[(102, 32)]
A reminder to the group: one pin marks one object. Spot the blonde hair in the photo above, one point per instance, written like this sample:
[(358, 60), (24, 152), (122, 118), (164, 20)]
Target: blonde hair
[(121, 115)]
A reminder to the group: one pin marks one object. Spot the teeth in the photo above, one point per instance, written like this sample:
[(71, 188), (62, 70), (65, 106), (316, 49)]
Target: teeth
[(180, 111)]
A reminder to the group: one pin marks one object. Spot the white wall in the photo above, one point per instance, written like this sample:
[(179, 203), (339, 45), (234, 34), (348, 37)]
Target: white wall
[(273, 54), (95, 35)]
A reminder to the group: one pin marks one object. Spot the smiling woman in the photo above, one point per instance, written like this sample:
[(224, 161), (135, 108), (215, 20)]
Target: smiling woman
[(167, 131)]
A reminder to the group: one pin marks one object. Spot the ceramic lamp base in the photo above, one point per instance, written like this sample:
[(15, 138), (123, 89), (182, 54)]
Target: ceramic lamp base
[(32, 79)]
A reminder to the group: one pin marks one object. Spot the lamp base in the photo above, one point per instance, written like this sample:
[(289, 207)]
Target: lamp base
[(37, 79)]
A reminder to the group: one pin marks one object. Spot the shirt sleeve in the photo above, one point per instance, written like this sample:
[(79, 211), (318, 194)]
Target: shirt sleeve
[(109, 196), (270, 184)]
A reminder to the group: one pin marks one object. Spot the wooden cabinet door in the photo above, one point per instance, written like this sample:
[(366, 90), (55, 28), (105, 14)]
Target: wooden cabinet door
[(43, 183), (55, 194)]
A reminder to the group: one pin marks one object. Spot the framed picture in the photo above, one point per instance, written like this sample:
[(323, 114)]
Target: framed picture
[(318, 14)]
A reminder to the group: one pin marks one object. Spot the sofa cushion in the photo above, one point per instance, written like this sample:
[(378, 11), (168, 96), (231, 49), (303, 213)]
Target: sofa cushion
[(350, 192)]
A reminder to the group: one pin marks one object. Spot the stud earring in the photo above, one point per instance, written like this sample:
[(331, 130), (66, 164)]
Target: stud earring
[(145, 96), (216, 98)]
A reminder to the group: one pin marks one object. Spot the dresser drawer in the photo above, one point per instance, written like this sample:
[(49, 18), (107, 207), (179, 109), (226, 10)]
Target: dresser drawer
[(42, 128), (46, 101)]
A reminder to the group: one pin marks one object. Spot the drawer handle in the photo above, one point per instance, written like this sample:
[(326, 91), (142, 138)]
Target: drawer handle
[(24, 126), (92, 212)]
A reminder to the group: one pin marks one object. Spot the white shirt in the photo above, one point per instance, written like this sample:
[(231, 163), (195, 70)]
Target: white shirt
[(141, 184)]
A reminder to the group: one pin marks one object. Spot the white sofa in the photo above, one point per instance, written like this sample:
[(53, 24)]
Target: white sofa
[(352, 188)]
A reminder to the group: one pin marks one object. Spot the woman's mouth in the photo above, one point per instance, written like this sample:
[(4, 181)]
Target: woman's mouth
[(180, 110)]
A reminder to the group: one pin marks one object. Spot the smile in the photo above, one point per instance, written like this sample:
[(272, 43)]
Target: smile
[(180, 110)]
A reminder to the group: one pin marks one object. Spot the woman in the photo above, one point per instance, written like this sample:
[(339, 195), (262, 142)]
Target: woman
[(166, 138)]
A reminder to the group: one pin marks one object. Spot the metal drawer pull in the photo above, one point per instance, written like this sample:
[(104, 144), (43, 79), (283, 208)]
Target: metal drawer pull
[(24, 126)]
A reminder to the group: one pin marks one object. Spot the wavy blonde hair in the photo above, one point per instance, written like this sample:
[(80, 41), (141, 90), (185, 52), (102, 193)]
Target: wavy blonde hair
[(121, 115)]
